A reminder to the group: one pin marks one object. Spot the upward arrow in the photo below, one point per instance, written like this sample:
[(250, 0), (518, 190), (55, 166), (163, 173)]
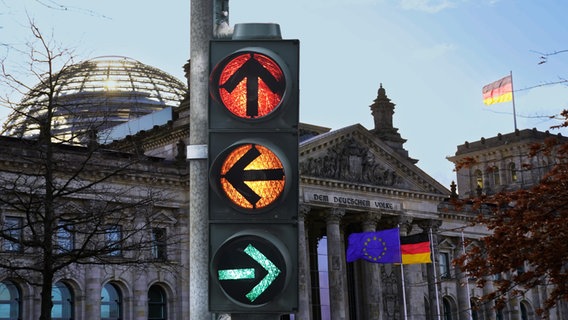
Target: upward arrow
[(252, 70)]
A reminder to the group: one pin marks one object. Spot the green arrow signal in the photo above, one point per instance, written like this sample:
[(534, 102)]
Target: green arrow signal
[(272, 270), (236, 274), (248, 273)]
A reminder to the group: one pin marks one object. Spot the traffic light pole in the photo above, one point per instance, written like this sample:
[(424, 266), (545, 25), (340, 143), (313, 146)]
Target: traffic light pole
[(201, 33)]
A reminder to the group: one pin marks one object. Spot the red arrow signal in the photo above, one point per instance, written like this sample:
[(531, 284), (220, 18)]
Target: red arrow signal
[(251, 85)]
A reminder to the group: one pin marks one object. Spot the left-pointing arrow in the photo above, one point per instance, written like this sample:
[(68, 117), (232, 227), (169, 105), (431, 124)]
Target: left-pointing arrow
[(237, 176)]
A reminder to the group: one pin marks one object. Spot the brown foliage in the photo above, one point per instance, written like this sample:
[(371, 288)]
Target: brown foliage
[(464, 163), (528, 244)]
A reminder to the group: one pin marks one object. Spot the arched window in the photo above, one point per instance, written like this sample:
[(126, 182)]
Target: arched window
[(62, 298), (496, 177), (513, 172), (478, 179), (498, 313), (526, 311), (474, 307), (111, 303), (157, 303), (448, 310), (9, 301)]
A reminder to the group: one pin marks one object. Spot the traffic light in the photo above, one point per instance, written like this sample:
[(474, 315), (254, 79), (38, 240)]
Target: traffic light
[(253, 176)]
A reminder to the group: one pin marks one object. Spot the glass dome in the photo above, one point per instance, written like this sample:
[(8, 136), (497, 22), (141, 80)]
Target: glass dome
[(94, 95)]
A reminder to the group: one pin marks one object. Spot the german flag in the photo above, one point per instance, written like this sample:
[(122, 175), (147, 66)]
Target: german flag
[(498, 91), (415, 249)]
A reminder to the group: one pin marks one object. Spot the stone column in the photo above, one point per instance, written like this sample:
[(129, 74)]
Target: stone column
[(488, 308), (513, 305), (463, 293), (93, 292), (336, 266), (372, 304), (304, 311), (140, 296), (405, 225)]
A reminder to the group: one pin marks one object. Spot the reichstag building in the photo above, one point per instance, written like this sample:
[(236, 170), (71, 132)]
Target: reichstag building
[(120, 134)]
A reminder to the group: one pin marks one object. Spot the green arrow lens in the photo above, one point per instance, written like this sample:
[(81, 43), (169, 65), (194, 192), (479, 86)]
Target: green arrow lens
[(272, 270), (236, 274)]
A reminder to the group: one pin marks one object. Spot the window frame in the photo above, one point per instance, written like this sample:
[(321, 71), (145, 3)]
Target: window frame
[(13, 230), (66, 303), (64, 238), (160, 306), (444, 265), (513, 175), (113, 240), (159, 247), (496, 176), (447, 309), (478, 174), (14, 302), (114, 295)]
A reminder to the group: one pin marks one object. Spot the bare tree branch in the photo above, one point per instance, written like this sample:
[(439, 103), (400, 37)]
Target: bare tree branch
[(65, 203)]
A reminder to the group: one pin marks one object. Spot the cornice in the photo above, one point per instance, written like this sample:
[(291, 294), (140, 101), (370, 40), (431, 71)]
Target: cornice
[(349, 186)]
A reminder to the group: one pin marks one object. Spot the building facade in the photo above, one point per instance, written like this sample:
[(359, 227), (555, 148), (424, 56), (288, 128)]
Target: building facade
[(506, 162), (503, 162), (352, 180)]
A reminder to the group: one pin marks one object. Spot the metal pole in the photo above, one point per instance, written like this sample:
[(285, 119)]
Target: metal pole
[(201, 33), (470, 311), (435, 274), (403, 292), (513, 98)]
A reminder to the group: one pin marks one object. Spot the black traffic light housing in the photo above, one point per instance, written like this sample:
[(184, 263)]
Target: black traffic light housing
[(286, 54), (253, 176)]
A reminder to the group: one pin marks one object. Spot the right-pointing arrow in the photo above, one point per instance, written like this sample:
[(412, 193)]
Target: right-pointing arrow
[(268, 265), (236, 274)]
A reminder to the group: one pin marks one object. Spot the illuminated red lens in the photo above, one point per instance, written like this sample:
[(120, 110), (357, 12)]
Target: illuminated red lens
[(250, 72)]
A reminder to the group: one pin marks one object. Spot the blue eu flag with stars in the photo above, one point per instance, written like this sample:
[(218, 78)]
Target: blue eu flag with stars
[(377, 247)]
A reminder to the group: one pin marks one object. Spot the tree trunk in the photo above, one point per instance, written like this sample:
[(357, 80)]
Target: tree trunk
[(46, 298)]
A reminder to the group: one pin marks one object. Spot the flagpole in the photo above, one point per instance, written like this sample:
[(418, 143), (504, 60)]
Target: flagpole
[(403, 291), (513, 99), (466, 278), (435, 274), (402, 279)]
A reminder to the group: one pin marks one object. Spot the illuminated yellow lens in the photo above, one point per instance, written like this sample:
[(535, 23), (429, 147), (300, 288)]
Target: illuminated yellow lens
[(266, 187)]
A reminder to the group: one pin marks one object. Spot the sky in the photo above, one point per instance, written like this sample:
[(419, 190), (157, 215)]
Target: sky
[(432, 57)]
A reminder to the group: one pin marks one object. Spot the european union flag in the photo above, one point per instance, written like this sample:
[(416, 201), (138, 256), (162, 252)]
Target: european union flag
[(378, 247)]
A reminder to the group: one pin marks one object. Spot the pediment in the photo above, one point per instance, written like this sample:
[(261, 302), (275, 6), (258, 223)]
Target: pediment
[(447, 244), (354, 155), (163, 217)]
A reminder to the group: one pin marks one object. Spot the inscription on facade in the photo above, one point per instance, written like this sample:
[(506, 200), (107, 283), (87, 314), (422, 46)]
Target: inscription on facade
[(350, 201)]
